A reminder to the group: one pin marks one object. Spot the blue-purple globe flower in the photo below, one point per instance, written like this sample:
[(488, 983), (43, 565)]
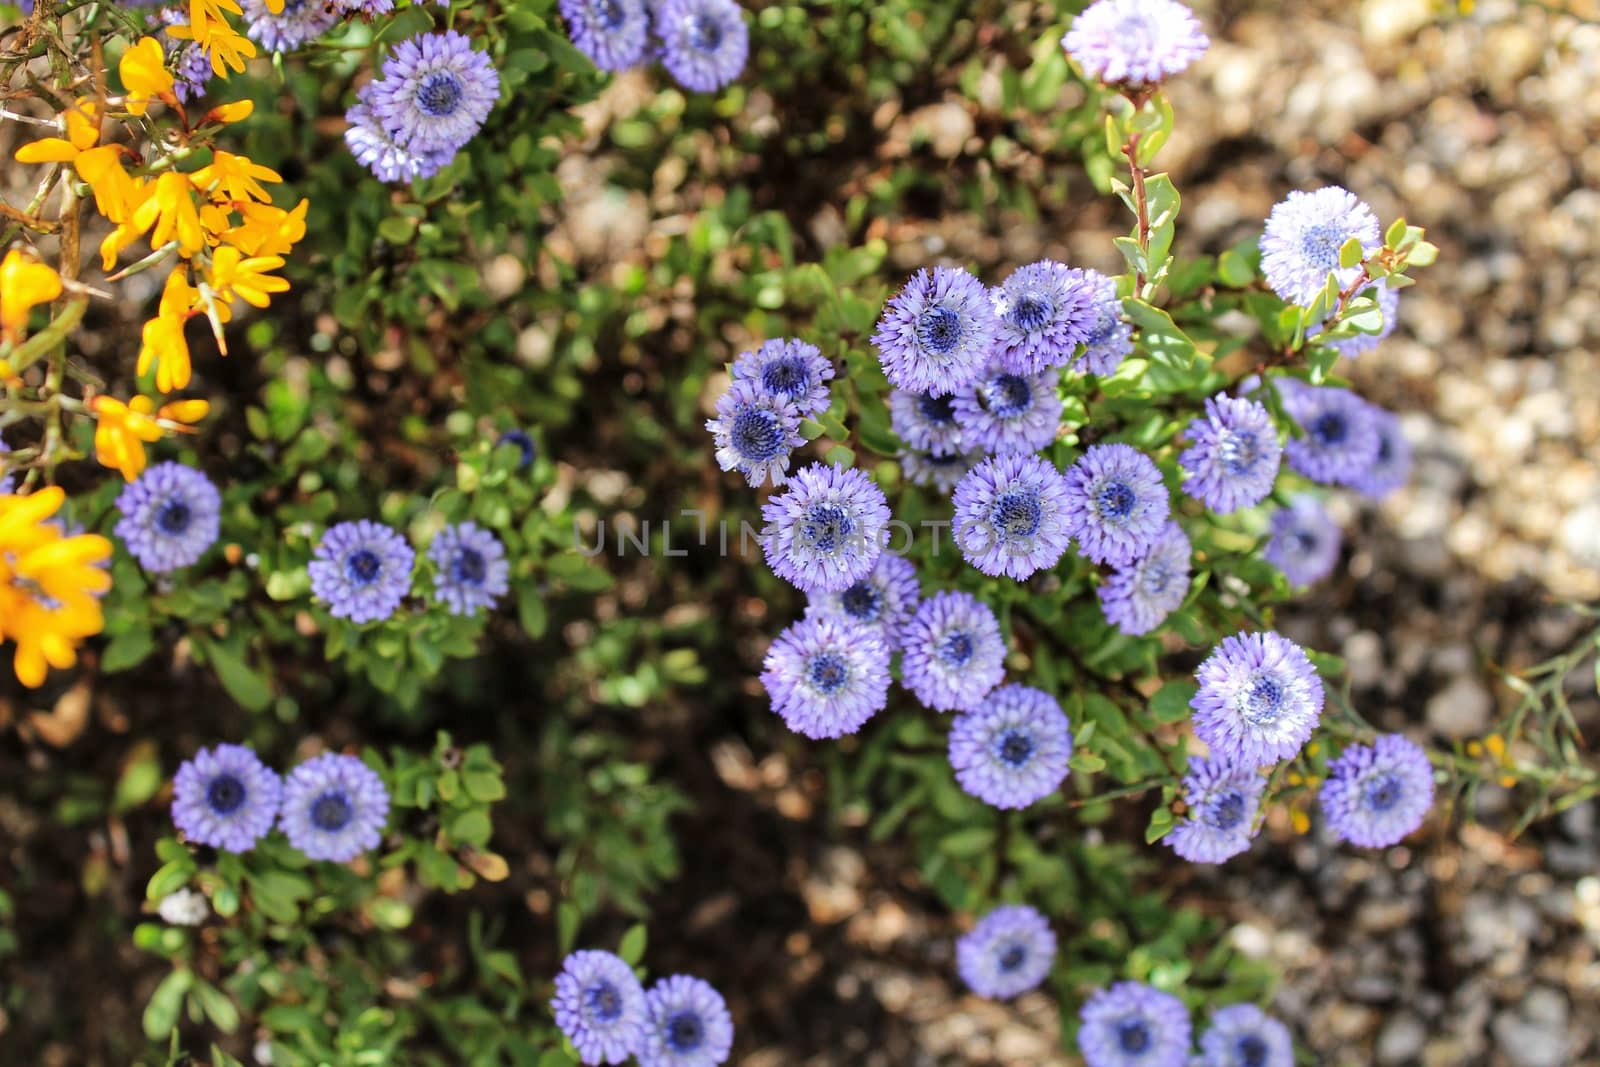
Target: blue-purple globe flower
[(1304, 541), (941, 472), (1259, 699), (1375, 795), (953, 652), (1232, 461), (361, 570), (435, 93), (1012, 515), (1008, 952), (296, 23), (790, 370), (1012, 749), (1133, 1025), (937, 333), (170, 515), (1223, 799), (1341, 437), (755, 432), (826, 530), (375, 148), (883, 601), (687, 1025), (926, 423), (191, 67), (1045, 311), (1391, 467), (1117, 504), (704, 43), (600, 1006), (334, 808), (1138, 596), (470, 568), (225, 797), (1304, 232), (526, 449), (826, 676), (614, 34), (1000, 411), (1242, 1035), (1110, 337), (1135, 42)]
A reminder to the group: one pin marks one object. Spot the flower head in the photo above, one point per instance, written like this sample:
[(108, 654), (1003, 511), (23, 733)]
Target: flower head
[(470, 568), (826, 676), (825, 532), (1138, 596), (1304, 233), (1000, 411), (600, 1006), (926, 423), (435, 93), (1133, 1025), (1377, 794), (1259, 699), (50, 584), (954, 652), (1242, 1035), (939, 471), (1008, 952), (1341, 438), (937, 333), (362, 570), (883, 601), (162, 342), (1110, 336), (170, 515), (790, 370), (704, 43), (294, 23), (754, 433), (1012, 749), (376, 148), (334, 808), (144, 73), (1117, 504), (687, 1025), (1135, 42), (1223, 799), (612, 33), (1304, 544), (225, 797), (1045, 311), (1391, 467), (1012, 515), (24, 284), (122, 430), (1233, 457)]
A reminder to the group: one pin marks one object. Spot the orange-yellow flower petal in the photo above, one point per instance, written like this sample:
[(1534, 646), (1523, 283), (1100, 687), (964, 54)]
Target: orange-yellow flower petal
[(233, 275), (145, 76), (23, 284), (163, 340), (121, 432), (171, 209)]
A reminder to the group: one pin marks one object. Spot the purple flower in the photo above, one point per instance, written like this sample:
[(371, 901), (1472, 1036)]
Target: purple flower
[(704, 43), (941, 472), (225, 797), (688, 1025), (954, 653), (1110, 338), (1391, 468), (1304, 233), (613, 33), (1259, 699), (600, 1006), (1242, 1035), (1008, 952), (1012, 515), (1223, 799), (1233, 460), (191, 67), (362, 570), (826, 676), (790, 370), (1011, 750), (369, 9), (754, 433), (825, 532), (1135, 42), (334, 808), (1133, 1025), (170, 515), (926, 423), (470, 568), (1375, 795), (1340, 439), (435, 93), (1117, 504), (1351, 347), (1003, 412), (529, 451), (1046, 310), (1137, 597), (883, 601), (298, 22), (937, 333), (1304, 543), (375, 149)]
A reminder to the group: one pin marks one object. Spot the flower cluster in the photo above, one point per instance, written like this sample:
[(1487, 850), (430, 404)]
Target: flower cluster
[(50, 584), (702, 43), (1132, 1024), (608, 1015), (362, 570), (758, 419)]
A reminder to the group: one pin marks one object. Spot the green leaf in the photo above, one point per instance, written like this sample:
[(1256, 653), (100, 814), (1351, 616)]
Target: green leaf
[(1351, 253), (633, 944), (246, 685), (161, 1014), (471, 828), (1161, 822), (973, 841), (483, 786), (1395, 233), (1234, 270), (841, 455), (126, 650), (1171, 702), (1086, 763), (568, 918), (217, 1005)]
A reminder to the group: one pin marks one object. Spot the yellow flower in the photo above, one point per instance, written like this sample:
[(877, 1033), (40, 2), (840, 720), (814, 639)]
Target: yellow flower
[(127, 230), (237, 111), (122, 430), (171, 209), (144, 74), (163, 340), (233, 275), (209, 28), (115, 191), (48, 583), (82, 125), (237, 176), (268, 230), (23, 284)]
